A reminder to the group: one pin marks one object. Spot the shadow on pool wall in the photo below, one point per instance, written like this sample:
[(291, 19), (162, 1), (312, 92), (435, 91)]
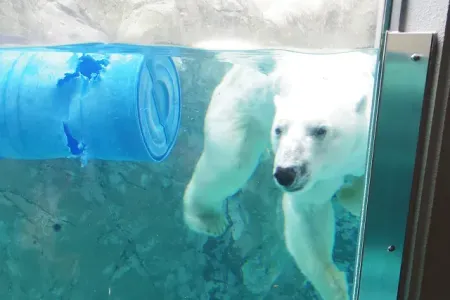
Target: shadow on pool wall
[(116, 228)]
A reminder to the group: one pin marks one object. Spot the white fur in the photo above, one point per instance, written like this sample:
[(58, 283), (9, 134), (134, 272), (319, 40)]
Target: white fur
[(237, 130), (334, 91)]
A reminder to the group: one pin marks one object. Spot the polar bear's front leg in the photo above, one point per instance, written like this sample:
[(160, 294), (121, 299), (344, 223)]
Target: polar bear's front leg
[(231, 154), (309, 235), (237, 130)]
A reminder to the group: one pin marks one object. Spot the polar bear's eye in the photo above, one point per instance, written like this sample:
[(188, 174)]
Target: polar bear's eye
[(278, 131), (318, 132)]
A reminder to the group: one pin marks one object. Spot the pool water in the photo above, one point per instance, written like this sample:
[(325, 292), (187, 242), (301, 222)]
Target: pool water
[(114, 229)]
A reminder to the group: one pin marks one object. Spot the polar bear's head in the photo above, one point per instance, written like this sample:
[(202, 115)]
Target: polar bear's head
[(320, 129)]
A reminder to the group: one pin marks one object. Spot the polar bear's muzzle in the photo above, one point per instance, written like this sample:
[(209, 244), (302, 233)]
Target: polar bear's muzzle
[(292, 179)]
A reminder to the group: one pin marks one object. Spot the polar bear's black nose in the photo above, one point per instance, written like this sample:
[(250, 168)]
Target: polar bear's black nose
[(285, 176)]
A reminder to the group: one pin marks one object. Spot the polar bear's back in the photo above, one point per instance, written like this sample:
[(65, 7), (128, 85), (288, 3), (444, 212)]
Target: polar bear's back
[(244, 91)]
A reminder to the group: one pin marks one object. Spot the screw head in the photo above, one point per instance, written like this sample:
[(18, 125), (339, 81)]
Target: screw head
[(415, 57), (391, 248)]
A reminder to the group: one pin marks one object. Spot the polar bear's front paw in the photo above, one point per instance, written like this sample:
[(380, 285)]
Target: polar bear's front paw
[(209, 222)]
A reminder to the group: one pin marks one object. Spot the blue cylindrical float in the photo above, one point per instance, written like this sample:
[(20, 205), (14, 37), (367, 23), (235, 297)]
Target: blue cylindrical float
[(113, 107)]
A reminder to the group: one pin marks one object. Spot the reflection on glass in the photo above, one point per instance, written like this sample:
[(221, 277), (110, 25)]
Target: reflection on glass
[(261, 194)]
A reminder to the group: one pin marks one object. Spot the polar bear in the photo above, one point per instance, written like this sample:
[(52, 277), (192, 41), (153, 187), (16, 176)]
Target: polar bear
[(314, 112)]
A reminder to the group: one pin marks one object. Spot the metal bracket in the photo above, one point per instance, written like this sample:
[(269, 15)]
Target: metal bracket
[(392, 153)]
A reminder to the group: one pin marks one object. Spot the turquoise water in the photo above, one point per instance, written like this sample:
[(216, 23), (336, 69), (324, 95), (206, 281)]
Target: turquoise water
[(114, 229)]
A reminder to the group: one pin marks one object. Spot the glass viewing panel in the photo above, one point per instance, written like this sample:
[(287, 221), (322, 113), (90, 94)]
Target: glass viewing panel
[(189, 150)]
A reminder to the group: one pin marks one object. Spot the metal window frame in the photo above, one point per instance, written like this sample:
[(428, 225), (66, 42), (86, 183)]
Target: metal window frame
[(405, 63), (425, 256)]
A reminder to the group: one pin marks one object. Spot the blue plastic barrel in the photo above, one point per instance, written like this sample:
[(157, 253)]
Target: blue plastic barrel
[(113, 107)]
